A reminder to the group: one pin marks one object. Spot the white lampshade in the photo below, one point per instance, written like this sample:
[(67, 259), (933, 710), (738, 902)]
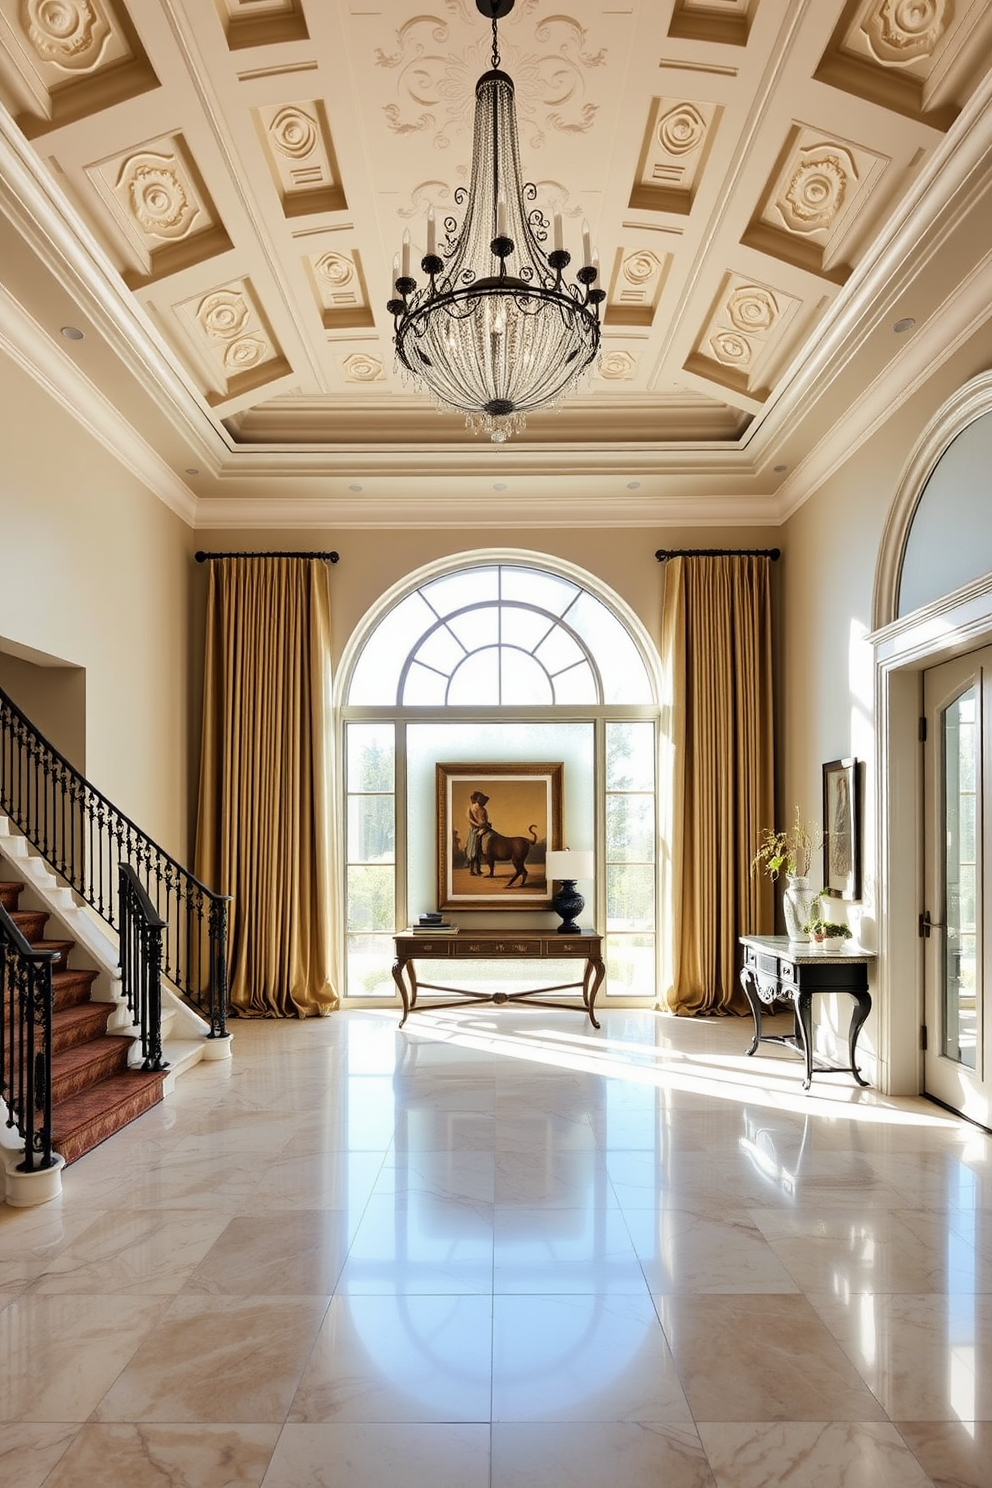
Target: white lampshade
[(569, 865)]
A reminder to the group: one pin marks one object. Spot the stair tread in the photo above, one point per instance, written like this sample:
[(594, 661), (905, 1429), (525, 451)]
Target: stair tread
[(104, 1109), (93, 1051), (96, 1013)]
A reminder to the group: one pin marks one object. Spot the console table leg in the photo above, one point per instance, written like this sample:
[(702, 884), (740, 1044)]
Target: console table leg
[(859, 1013), (597, 967), (754, 1002), (400, 980), (804, 1020)]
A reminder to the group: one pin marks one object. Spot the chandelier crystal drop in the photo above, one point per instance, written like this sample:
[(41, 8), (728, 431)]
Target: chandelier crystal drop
[(496, 330)]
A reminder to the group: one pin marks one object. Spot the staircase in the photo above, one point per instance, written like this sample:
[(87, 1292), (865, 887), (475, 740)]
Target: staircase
[(94, 1093)]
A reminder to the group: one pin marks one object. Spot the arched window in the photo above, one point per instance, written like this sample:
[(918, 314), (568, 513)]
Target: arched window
[(499, 661)]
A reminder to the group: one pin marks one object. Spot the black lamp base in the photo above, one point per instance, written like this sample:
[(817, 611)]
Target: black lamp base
[(568, 903)]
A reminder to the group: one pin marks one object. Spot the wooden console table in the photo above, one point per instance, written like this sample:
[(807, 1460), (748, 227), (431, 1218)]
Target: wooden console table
[(500, 945), (778, 968)]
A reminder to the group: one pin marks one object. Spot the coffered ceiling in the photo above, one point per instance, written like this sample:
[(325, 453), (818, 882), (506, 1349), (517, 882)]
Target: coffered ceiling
[(212, 191)]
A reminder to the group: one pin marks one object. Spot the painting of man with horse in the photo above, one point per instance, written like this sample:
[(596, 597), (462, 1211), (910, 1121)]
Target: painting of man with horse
[(496, 822)]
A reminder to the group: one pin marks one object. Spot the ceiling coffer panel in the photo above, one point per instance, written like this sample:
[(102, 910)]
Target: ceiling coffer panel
[(161, 212), (917, 59), (751, 329), (635, 286), (228, 343), (677, 142), (249, 23), (727, 22), (67, 60), (816, 197), (339, 288), (296, 138)]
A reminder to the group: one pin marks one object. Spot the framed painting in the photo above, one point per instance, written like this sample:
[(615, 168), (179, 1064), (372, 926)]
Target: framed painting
[(841, 830), (495, 825)]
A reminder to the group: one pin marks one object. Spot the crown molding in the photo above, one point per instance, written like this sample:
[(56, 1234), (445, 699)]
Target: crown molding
[(36, 354)]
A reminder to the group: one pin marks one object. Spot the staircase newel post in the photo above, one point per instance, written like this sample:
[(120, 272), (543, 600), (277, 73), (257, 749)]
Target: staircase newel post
[(152, 959), (218, 966)]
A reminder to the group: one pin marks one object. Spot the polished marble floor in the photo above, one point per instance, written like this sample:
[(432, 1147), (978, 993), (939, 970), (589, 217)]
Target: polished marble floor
[(498, 1249)]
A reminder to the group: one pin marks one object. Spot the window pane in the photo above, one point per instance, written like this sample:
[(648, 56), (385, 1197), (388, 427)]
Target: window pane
[(524, 628), (370, 960), (371, 829), (476, 628), (424, 688), (577, 685), (630, 756), (370, 756), (377, 671), (476, 680), (630, 829), (531, 587), (559, 651), (370, 899), (441, 651), (629, 897), (630, 963), (468, 586), (523, 681), (624, 676)]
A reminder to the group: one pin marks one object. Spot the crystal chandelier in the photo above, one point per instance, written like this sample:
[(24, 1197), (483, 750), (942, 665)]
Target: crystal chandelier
[(496, 330)]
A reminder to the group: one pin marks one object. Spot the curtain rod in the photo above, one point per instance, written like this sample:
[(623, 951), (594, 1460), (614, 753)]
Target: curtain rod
[(773, 553), (202, 557)]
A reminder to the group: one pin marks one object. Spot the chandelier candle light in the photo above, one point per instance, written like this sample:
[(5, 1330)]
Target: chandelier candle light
[(496, 330)]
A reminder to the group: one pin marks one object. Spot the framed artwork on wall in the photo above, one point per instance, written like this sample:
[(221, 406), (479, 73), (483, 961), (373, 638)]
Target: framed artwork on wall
[(495, 825), (841, 830)]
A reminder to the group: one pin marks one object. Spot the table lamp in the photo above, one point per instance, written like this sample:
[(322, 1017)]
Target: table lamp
[(563, 868)]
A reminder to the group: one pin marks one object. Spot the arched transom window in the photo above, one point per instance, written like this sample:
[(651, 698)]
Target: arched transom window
[(500, 634)]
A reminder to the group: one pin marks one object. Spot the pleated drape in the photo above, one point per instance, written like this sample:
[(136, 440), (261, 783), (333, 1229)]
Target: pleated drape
[(264, 823), (718, 756)]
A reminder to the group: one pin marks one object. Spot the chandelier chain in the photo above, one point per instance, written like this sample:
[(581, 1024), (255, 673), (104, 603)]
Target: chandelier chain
[(496, 57)]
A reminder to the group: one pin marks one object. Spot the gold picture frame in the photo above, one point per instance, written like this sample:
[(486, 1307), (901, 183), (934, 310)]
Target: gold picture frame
[(490, 852)]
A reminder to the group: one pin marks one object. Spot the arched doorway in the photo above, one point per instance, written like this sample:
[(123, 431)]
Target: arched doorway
[(499, 656)]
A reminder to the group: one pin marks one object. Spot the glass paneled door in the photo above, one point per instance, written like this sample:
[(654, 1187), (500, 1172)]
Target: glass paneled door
[(958, 900)]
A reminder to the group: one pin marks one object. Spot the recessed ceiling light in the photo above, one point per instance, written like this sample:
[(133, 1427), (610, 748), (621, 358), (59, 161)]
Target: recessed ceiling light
[(499, 486), (354, 488), (633, 485), (192, 469), (780, 469), (906, 324), (72, 333)]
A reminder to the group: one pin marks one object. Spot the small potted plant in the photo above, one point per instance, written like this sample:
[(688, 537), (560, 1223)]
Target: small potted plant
[(790, 851), (829, 934)]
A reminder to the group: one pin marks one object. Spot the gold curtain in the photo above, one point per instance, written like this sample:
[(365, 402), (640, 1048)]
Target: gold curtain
[(718, 758), (264, 824)]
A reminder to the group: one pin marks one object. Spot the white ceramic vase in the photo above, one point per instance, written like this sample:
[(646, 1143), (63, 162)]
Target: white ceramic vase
[(797, 902)]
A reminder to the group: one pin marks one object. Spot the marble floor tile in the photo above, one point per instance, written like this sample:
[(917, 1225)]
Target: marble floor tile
[(133, 1252), (222, 1359), (591, 1455), (400, 1358), (30, 1450), (144, 1455), (271, 1255), (758, 1358), (420, 1244), (359, 1455), (956, 1454), (60, 1354), (550, 1250), (330, 1179), (458, 1173), (810, 1454), (680, 1251), (583, 1358)]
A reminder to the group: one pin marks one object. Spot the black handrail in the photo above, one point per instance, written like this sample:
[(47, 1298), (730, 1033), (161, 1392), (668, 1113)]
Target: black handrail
[(141, 964), (85, 839), (26, 1042)]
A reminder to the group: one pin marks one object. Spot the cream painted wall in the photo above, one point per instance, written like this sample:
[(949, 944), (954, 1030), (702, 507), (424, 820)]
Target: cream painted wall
[(375, 558), (96, 572)]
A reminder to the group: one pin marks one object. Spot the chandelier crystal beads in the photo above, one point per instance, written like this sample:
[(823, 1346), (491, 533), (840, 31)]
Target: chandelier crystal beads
[(496, 330)]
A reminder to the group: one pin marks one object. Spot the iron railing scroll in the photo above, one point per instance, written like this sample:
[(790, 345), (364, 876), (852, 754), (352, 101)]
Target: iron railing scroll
[(85, 839), (141, 965), (26, 1043)]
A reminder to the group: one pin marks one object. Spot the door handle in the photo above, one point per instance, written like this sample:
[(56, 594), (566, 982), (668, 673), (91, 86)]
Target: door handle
[(927, 924)]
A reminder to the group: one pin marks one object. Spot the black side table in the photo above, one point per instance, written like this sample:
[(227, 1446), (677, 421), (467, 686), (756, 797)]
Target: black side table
[(778, 968)]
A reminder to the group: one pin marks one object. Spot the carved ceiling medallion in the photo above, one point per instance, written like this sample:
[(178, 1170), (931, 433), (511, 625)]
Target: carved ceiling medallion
[(432, 83), (681, 130), (293, 133), (157, 197), (69, 33), (752, 309), (816, 192), (901, 31)]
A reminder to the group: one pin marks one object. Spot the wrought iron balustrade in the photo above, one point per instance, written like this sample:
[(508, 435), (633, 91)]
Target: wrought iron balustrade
[(26, 1042), (141, 965), (85, 839)]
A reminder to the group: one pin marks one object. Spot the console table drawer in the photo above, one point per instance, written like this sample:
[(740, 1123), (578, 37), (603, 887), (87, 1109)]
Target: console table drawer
[(565, 947), (466, 945), (422, 945)]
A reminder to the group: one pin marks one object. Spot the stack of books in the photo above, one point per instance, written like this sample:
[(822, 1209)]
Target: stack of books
[(434, 923)]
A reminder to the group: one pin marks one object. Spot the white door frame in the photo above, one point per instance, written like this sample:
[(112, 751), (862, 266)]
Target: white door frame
[(948, 627)]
